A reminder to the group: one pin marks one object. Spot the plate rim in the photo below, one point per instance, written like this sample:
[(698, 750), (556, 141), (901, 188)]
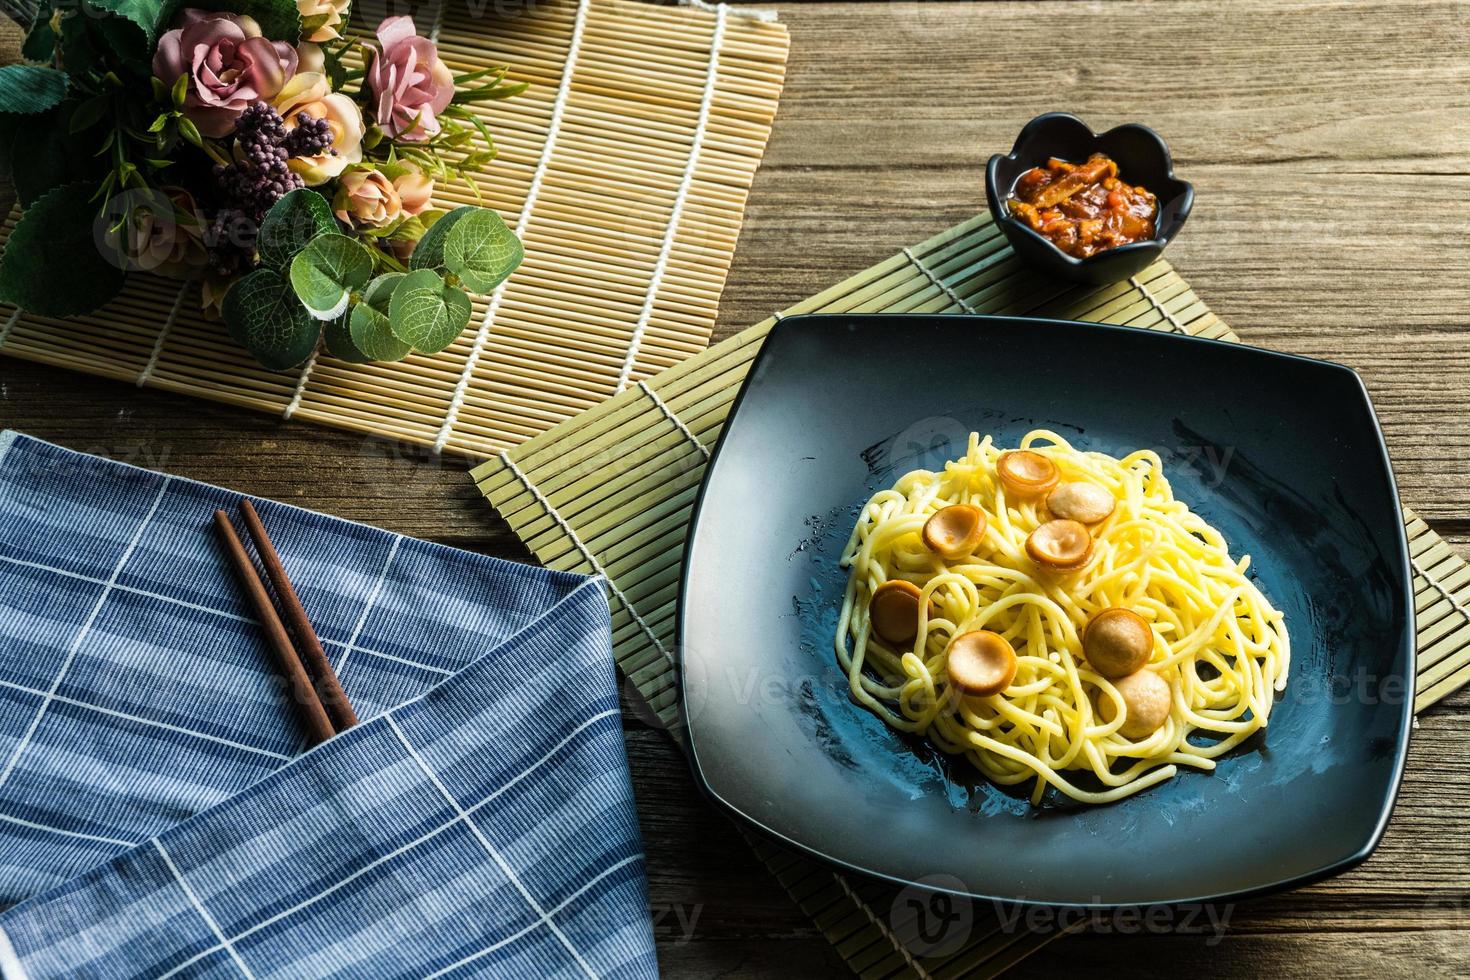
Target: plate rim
[(786, 324)]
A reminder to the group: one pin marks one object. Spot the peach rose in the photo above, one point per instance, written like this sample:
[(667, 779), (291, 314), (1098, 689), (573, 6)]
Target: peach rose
[(321, 18), (415, 188), (310, 93), (366, 199)]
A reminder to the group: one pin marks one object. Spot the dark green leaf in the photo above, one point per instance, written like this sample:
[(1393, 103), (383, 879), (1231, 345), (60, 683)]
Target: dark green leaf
[(127, 41), (294, 220), (325, 273), (481, 250), (89, 113), (338, 338), (429, 252), (264, 316), (55, 263), (149, 15), (78, 45), (40, 42), (371, 331), (48, 154), (279, 20), (30, 89), (427, 313)]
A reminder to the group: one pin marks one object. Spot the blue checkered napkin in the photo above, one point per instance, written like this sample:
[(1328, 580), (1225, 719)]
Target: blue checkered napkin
[(157, 818)]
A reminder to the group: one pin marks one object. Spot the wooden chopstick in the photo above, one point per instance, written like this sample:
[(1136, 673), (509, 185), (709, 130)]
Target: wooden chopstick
[(319, 726), (313, 657)]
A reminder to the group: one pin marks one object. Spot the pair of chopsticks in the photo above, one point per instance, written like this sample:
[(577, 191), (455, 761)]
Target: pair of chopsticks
[(314, 686)]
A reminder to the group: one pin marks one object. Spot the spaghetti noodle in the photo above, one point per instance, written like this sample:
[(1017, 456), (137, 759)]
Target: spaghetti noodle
[(1215, 647)]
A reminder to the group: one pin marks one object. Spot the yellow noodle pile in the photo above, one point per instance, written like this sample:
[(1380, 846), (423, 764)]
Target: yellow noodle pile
[(1220, 645)]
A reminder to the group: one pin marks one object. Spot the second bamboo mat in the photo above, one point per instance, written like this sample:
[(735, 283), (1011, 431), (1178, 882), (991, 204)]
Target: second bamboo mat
[(611, 490), (624, 167)]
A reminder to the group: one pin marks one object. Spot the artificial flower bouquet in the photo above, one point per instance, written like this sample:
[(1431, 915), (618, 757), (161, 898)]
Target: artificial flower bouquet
[(256, 149)]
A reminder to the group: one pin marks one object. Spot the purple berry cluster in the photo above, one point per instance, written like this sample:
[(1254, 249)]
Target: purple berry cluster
[(258, 178)]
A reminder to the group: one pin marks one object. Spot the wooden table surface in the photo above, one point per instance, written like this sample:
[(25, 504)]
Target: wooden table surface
[(1328, 143)]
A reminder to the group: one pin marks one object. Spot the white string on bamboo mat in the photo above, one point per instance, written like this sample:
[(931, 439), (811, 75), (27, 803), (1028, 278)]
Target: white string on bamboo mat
[(669, 414), (945, 287), (1438, 586), (553, 129), (295, 402), (586, 553), (168, 325), (676, 213), (1154, 302), (9, 326), (762, 14)]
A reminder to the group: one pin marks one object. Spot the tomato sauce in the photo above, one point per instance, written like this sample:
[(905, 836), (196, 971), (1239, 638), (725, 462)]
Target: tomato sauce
[(1084, 208)]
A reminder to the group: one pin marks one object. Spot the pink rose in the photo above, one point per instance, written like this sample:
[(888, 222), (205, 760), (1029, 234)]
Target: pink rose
[(229, 65), (410, 86)]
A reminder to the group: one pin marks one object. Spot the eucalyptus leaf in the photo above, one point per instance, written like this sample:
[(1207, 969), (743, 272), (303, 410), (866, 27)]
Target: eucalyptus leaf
[(54, 263), (481, 250), (294, 220), (429, 252), (427, 313), (338, 339), (264, 316), (371, 331), (325, 273), (29, 89)]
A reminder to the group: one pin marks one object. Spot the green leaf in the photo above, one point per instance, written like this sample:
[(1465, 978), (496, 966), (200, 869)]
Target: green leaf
[(31, 88), (427, 313), (429, 252), (78, 46), (339, 342), (294, 220), (481, 250), (180, 90), (265, 317), (190, 132), (279, 20), (53, 263), (127, 41), (489, 93), (327, 270), (40, 42), (89, 113), (150, 15), (371, 331), (47, 154)]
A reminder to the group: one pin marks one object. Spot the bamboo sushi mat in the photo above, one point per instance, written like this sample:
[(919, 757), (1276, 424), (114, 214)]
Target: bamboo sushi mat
[(611, 491), (625, 169)]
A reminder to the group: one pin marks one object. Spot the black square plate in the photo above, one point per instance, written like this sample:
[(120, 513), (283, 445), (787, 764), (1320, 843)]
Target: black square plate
[(1282, 454)]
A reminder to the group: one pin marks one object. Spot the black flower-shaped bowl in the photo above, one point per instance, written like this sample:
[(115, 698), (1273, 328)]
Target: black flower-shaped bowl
[(1142, 157)]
